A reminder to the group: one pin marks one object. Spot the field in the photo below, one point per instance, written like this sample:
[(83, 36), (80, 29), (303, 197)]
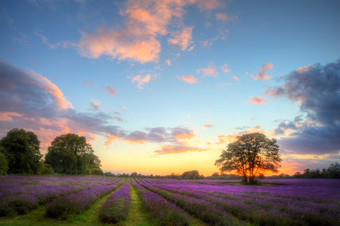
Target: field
[(71, 200)]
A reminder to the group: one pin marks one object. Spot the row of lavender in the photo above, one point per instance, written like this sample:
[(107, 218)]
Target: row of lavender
[(20, 194), (289, 204)]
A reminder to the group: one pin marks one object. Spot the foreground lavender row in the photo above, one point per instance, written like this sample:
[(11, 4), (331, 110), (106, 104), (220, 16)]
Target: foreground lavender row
[(166, 213), (116, 207), (20, 194), (294, 202)]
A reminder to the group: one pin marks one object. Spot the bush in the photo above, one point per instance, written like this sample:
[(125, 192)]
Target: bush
[(97, 171)]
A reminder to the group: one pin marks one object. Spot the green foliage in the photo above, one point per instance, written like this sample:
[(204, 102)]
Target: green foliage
[(333, 171), (97, 171), (21, 149), (3, 164), (193, 174), (250, 155), (70, 154)]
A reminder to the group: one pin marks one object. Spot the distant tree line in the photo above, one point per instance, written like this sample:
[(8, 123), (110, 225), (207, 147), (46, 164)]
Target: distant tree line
[(333, 171), (67, 154)]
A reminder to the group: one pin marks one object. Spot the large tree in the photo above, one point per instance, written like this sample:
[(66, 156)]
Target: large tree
[(21, 149), (250, 155), (71, 154)]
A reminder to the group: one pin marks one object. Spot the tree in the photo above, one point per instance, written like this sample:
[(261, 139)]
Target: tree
[(191, 175), (21, 149), (334, 170), (250, 155), (3, 164), (70, 154)]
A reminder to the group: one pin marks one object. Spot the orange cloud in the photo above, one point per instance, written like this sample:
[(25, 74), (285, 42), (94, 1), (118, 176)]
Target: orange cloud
[(221, 16), (110, 90), (225, 68), (182, 39), (262, 75), (175, 149), (188, 78), (141, 80), (304, 68), (207, 126), (207, 72), (53, 90), (168, 62), (9, 116), (258, 100), (109, 140)]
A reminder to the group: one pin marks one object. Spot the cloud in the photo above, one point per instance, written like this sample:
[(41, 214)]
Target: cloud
[(141, 80), (9, 116), (168, 62), (182, 39), (95, 104), (110, 90), (207, 126), (221, 16), (137, 137), (258, 100), (145, 22), (262, 75), (34, 103), (207, 72), (87, 83), (175, 149), (188, 78), (317, 90), (225, 68), (235, 77), (208, 5), (180, 133)]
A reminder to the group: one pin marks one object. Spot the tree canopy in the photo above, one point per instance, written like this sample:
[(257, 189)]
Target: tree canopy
[(71, 154), (250, 155), (21, 149)]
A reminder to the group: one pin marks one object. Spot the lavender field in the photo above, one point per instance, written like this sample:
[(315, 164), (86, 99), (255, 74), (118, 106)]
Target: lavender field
[(149, 201)]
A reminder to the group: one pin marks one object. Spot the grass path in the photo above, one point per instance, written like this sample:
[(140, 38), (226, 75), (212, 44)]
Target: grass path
[(137, 215)]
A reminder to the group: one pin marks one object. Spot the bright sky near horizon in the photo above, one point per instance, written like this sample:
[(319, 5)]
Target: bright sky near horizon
[(163, 86)]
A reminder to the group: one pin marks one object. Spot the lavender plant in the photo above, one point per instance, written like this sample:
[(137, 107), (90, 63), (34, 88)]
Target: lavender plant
[(116, 207)]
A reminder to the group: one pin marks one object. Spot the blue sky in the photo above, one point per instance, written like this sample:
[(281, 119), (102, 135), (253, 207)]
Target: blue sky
[(163, 86)]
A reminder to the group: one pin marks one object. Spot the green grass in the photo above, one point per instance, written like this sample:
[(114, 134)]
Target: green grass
[(137, 216)]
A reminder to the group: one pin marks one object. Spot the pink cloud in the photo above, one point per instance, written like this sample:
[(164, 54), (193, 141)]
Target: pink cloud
[(175, 149), (188, 79), (304, 68), (182, 39), (95, 104), (87, 83), (262, 75), (9, 116), (52, 89), (141, 80), (235, 77), (168, 62), (110, 90), (221, 16), (225, 68), (207, 126), (258, 100), (208, 4), (207, 72)]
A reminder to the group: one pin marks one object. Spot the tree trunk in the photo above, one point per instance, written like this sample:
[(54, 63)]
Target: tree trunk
[(252, 180), (245, 179)]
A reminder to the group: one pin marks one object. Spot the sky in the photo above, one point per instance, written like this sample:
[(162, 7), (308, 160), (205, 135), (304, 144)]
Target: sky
[(161, 87)]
